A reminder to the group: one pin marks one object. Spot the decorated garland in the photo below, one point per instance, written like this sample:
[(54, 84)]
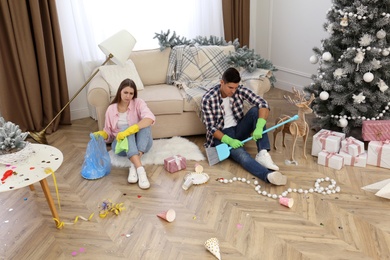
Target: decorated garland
[(325, 190), (242, 57)]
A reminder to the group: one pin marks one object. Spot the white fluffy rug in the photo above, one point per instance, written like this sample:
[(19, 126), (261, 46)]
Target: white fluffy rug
[(161, 149)]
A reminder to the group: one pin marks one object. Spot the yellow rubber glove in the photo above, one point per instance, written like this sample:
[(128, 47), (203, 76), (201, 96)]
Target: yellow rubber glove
[(234, 143), (101, 133), (258, 133), (129, 131)]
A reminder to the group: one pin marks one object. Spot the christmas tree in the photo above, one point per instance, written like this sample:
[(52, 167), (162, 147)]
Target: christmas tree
[(351, 84)]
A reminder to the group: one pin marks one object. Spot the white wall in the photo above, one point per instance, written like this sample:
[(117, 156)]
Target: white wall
[(285, 33)]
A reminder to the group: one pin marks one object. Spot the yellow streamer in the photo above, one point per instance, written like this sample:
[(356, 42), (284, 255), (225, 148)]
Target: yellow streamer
[(61, 224), (48, 170), (107, 206)]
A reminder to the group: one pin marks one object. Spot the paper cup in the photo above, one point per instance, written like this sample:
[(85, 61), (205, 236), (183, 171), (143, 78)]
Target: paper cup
[(288, 202), (198, 168), (168, 215), (187, 183)]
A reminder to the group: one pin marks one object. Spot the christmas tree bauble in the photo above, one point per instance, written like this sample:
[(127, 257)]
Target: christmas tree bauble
[(381, 34), (324, 95), (326, 56), (385, 52), (343, 122), (313, 59), (368, 77)]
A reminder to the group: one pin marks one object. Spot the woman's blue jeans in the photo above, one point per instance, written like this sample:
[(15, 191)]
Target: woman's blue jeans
[(242, 131), (138, 142)]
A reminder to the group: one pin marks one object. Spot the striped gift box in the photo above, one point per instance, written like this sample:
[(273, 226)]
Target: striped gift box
[(377, 130)]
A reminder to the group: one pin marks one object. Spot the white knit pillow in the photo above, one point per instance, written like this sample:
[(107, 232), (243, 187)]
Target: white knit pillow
[(115, 74)]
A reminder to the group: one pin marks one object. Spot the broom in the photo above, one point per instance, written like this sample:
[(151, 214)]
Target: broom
[(222, 151)]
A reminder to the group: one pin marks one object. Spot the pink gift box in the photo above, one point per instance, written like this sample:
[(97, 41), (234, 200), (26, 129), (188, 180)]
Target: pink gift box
[(378, 153), (377, 130), (359, 161), (352, 146), (327, 140), (175, 163), (331, 160)]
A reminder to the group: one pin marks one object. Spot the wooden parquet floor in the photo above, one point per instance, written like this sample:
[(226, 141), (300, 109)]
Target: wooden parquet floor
[(353, 224)]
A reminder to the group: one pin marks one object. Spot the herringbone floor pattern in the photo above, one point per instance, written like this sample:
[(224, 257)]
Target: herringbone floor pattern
[(352, 224)]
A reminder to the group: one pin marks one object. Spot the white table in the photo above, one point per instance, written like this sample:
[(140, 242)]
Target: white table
[(32, 170)]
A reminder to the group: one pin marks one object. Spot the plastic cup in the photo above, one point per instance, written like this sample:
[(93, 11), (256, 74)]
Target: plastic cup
[(287, 202), (168, 215)]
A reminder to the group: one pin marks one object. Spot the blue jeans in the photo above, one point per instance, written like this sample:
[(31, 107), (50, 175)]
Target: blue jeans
[(242, 131), (138, 142)]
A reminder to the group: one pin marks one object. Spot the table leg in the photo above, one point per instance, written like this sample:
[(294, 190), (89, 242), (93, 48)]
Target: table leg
[(32, 188), (49, 198)]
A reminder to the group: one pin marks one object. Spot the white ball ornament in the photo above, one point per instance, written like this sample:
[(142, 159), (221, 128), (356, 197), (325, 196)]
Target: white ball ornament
[(324, 95), (381, 34), (326, 56), (368, 77), (313, 59), (343, 122), (385, 52)]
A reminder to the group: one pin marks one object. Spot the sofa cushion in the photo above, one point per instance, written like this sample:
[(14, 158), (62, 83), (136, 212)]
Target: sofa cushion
[(198, 63), (152, 65), (163, 99), (115, 74)]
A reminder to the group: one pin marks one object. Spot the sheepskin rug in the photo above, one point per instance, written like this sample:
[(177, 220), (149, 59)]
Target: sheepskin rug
[(162, 149)]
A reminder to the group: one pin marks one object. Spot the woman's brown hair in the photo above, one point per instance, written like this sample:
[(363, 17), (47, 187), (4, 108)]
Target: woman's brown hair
[(125, 83)]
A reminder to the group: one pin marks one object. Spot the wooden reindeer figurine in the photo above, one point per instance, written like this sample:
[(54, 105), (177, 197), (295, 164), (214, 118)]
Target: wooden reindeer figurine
[(298, 127)]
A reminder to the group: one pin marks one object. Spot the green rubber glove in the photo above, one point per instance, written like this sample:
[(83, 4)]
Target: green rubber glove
[(101, 133), (234, 143), (129, 131), (258, 133)]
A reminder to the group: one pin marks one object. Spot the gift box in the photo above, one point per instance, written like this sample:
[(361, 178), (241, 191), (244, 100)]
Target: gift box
[(175, 163), (377, 130), (352, 146), (332, 160), (327, 140), (378, 153), (359, 160)]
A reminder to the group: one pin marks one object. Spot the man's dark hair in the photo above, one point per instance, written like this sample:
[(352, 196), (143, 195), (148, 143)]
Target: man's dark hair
[(231, 75)]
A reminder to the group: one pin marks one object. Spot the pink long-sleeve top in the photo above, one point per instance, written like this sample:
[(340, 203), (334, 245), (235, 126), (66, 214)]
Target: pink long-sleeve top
[(136, 111)]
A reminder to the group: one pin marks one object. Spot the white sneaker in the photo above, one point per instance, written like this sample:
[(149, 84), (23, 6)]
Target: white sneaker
[(143, 181), (133, 177), (265, 159), (277, 178)]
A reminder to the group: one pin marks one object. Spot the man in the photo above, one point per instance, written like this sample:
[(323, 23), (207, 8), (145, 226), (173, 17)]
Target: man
[(223, 115)]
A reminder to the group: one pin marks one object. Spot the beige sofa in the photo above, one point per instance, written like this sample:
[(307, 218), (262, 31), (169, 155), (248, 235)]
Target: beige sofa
[(175, 116)]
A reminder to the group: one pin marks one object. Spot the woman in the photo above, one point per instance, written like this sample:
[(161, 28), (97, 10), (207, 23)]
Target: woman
[(129, 117)]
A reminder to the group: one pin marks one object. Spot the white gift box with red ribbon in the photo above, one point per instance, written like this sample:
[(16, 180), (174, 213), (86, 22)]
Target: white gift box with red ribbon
[(378, 153), (327, 140), (332, 160), (352, 146), (359, 160), (175, 163)]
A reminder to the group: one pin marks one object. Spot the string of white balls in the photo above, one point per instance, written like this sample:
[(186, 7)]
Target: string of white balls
[(332, 188), (351, 14)]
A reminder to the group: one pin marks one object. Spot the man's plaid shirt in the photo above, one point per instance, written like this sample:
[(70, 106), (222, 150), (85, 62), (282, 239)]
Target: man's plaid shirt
[(213, 112)]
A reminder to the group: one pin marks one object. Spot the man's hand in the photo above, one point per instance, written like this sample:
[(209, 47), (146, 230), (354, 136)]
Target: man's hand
[(258, 133), (101, 133), (234, 143), (129, 131)]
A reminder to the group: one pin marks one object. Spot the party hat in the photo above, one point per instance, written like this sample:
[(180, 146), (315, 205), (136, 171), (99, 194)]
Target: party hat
[(212, 245)]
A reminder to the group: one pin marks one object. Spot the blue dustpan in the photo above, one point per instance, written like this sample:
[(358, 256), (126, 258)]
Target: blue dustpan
[(223, 150)]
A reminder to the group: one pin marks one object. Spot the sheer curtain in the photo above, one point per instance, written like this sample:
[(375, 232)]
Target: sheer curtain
[(86, 23)]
